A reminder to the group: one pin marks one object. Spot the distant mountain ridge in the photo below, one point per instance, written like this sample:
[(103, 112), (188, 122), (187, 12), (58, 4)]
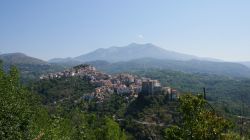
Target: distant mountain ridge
[(191, 66), (138, 56), (133, 51), (132, 57), (246, 64), (130, 52), (20, 58), (30, 67)]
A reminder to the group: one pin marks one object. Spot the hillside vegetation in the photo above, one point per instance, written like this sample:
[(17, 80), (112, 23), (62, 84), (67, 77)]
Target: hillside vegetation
[(30, 68), (191, 66), (228, 94), (23, 117)]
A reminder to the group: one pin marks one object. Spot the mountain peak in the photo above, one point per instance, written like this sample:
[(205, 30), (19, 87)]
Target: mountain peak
[(132, 51)]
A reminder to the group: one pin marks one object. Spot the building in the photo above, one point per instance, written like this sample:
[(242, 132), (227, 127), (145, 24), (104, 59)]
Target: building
[(172, 94), (151, 87)]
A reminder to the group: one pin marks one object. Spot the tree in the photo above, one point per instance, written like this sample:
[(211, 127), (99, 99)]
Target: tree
[(113, 131), (96, 128), (197, 122), (15, 110), (22, 116)]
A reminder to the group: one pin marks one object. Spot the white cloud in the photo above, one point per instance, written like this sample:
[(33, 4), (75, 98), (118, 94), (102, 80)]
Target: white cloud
[(140, 36)]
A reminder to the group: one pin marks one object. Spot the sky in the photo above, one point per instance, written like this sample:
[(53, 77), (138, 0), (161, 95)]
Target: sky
[(67, 28)]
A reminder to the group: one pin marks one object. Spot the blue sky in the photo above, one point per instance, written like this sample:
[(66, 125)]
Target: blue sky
[(62, 28)]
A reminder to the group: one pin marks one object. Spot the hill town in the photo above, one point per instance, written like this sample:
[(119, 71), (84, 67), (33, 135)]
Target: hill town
[(123, 84)]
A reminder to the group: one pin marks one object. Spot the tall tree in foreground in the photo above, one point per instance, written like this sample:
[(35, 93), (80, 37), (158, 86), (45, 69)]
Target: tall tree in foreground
[(198, 122), (23, 117), (15, 111)]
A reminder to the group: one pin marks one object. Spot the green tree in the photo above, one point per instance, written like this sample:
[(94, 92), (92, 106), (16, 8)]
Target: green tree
[(22, 116), (197, 121), (113, 131), (15, 110), (102, 129)]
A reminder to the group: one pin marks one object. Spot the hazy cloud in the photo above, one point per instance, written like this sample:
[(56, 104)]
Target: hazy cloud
[(140, 36)]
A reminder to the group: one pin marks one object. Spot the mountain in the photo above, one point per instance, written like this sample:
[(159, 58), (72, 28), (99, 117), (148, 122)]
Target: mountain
[(139, 56), (132, 51), (20, 58), (246, 64), (129, 52), (190, 66), (30, 68)]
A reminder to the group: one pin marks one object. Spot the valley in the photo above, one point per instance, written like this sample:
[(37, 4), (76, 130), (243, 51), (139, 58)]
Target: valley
[(124, 70), (142, 95)]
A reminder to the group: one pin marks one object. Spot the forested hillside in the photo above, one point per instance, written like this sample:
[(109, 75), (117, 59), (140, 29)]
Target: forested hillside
[(228, 94), (23, 116), (30, 68), (58, 109), (190, 66)]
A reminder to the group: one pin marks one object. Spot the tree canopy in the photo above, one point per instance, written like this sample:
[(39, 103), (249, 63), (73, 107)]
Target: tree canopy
[(197, 121)]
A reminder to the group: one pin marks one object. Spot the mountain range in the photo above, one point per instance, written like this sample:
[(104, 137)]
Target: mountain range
[(29, 67), (130, 52), (190, 66), (135, 56), (246, 64), (20, 58)]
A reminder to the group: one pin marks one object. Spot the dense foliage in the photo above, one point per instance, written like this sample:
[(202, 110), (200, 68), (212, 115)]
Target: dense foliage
[(57, 109), (15, 108), (197, 121), (30, 72), (226, 93), (54, 90), (22, 116)]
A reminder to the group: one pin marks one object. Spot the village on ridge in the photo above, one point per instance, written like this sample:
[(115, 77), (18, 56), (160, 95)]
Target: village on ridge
[(123, 84)]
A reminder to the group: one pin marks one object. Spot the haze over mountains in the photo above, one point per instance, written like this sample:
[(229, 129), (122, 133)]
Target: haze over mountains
[(29, 67), (139, 56), (190, 66), (20, 58), (130, 52), (246, 63)]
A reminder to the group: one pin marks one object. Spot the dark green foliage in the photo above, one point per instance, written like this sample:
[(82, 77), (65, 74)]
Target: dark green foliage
[(115, 105), (65, 114), (30, 68), (80, 66), (77, 125), (142, 103), (147, 116), (30, 72), (70, 89), (23, 117), (227, 94), (15, 110), (197, 121)]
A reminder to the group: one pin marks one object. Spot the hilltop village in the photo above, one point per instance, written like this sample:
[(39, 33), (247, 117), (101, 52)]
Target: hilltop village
[(123, 84)]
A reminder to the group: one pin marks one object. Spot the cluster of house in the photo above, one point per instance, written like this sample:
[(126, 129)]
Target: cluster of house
[(75, 71), (124, 84)]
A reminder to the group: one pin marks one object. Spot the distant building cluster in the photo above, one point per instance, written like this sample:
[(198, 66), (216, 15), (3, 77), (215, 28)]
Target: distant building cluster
[(123, 84), (151, 87), (75, 71)]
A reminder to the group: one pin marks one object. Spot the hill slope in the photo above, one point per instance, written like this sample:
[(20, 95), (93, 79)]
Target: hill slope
[(191, 66), (30, 67), (246, 64), (20, 58)]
